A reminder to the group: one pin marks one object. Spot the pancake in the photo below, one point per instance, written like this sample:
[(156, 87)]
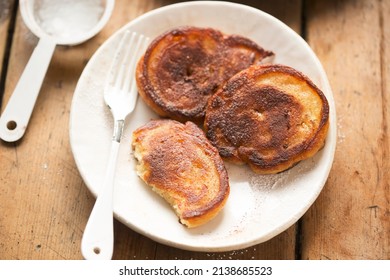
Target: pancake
[(270, 117), (183, 67), (178, 162)]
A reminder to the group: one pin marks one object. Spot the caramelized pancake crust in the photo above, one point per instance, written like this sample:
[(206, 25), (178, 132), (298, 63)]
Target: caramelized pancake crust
[(183, 67), (269, 116), (181, 165)]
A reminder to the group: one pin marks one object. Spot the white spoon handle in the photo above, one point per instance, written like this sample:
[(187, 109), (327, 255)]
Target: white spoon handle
[(14, 119), (98, 239)]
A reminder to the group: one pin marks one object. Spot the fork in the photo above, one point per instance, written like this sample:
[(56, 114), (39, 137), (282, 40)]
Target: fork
[(120, 95)]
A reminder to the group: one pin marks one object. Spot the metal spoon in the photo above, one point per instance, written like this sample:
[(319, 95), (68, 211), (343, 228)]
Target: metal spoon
[(54, 27)]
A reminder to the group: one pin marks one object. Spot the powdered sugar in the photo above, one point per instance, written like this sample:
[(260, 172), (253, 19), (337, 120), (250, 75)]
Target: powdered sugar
[(67, 18), (266, 183)]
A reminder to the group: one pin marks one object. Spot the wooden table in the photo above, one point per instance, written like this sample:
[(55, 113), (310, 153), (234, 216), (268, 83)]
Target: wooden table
[(44, 203)]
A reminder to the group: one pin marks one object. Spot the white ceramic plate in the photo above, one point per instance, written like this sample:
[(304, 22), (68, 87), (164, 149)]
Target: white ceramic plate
[(259, 207)]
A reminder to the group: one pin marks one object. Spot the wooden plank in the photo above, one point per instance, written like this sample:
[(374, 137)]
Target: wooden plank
[(350, 220), (280, 247), (6, 12)]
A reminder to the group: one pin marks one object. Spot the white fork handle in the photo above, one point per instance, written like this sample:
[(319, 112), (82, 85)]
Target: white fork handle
[(14, 120), (98, 239)]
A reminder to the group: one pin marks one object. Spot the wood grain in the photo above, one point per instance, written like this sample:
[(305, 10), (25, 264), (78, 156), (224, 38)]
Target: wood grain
[(350, 220), (7, 8)]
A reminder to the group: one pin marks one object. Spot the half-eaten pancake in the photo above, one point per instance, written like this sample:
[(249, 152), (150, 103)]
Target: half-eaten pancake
[(178, 162)]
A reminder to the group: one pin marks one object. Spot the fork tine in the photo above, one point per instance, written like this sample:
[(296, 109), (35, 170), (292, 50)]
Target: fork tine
[(137, 47), (128, 48), (116, 61), (121, 77), (140, 49)]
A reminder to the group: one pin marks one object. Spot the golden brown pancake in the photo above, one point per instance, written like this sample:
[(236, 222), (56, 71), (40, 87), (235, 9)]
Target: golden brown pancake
[(178, 162), (183, 67), (269, 116)]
